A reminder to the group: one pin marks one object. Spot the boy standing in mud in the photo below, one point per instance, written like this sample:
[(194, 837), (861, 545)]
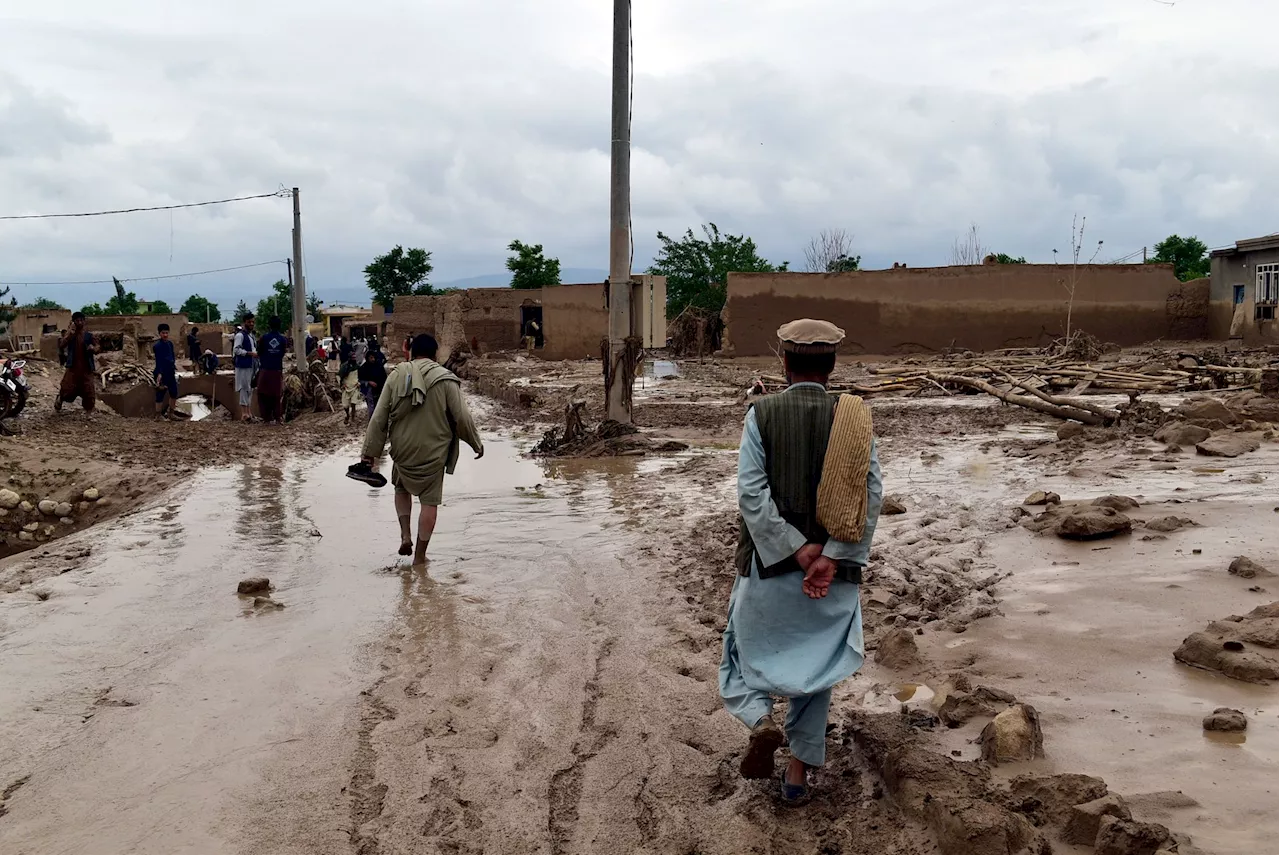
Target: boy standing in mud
[(77, 380), (165, 375), (809, 495)]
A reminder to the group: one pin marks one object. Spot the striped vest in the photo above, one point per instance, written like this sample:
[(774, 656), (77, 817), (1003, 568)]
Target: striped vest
[(794, 428)]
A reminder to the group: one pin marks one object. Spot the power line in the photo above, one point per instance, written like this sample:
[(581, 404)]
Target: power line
[(147, 278), (278, 193)]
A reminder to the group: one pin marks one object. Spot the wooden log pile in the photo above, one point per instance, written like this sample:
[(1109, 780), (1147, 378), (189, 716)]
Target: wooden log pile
[(1051, 384)]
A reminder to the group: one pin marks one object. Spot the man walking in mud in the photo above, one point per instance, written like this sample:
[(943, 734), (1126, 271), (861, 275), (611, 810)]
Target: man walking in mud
[(422, 410), (77, 380), (809, 495)]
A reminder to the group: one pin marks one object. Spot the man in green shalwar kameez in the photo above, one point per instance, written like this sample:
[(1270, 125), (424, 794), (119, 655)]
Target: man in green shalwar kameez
[(422, 411)]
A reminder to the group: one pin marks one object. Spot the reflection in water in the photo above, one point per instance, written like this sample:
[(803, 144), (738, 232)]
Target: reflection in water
[(429, 613), (260, 508), (1224, 738)]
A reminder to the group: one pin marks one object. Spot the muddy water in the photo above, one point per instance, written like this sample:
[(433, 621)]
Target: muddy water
[(1088, 631), (536, 689)]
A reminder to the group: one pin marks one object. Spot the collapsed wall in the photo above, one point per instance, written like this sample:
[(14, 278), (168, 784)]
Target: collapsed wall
[(981, 307)]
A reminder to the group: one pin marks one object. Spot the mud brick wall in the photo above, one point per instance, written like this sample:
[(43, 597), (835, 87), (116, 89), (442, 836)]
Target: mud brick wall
[(484, 319), (1187, 309), (980, 307), (574, 321)]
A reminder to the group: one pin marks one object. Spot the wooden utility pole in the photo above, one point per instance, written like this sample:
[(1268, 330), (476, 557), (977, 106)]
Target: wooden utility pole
[(617, 372), (299, 290)]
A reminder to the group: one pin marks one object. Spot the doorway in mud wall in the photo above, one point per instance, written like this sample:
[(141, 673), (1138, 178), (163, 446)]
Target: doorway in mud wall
[(531, 324)]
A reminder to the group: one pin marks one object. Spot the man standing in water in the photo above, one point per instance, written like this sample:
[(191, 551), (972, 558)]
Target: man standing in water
[(422, 410), (78, 345), (245, 354), (795, 621)]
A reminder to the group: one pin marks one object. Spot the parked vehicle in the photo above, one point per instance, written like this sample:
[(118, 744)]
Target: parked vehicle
[(13, 387)]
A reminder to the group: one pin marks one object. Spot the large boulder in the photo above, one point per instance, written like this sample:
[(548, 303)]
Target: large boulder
[(1092, 523), (1226, 720), (897, 649), (1084, 819), (1050, 799), (1218, 651), (1168, 524), (1125, 837), (254, 585), (965, 826), (1205, 409), (1252, 406), (1228, 445), (1181, 433), (1247, 568), (1013, 735), (1115, 503), (9, 499)]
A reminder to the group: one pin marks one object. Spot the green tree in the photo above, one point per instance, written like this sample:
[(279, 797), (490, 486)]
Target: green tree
[(241, 310), (696, 269), (126, 305), (397, 273), (92, 309), (844, 264), (280, 303), (530, 269), (1189, 256), (1005, 258), (44, 303), (199, 310), (159, 307)]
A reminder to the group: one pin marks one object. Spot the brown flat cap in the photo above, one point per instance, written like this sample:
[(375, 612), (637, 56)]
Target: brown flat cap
[(809, 336)]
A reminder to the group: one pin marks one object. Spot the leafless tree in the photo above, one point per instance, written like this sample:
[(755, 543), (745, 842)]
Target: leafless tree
[(969, 249), (830, 252), (1069, 283)]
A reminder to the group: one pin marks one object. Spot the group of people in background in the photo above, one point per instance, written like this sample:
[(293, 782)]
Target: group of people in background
[(258, 362)]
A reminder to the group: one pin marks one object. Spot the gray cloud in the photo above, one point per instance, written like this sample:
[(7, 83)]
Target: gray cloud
[(459, 126)]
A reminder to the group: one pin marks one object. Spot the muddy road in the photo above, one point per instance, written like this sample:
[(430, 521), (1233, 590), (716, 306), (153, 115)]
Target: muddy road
[(537, 689)]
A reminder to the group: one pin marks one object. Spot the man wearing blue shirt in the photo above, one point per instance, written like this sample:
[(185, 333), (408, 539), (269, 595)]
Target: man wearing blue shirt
[(165, 374), (795, 622), (271, 350)]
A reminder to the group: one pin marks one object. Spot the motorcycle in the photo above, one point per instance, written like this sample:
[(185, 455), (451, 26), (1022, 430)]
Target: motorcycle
[(13, 387)]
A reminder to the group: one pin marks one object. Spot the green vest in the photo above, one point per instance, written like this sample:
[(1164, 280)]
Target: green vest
[(794, 428)]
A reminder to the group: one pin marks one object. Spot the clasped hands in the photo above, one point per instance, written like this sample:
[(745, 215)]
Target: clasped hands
[(819, 571)]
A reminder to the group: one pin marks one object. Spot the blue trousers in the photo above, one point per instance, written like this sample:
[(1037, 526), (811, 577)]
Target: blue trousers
[(806, 724)]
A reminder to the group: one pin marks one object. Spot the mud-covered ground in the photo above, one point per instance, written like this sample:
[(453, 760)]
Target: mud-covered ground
[(548, 684), (128, 461)]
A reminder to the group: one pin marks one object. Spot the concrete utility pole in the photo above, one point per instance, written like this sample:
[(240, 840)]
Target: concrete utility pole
[(299, 290), (617, 396)]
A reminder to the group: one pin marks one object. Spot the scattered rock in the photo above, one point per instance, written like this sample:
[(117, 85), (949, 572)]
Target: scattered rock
[(266, 603), (1221, 647), (1227, 720), (47, 506), (1251, 405), (1228, 445), (26, 535), (1049, 799), (1206, 409), (892, 506), (67, 521), (1170, 523), (1125, 837), (1067, 430), (92, 494), (63, 509), (994, 696), (1092, 523), (1013, 735), (26, 507), (975, 827), (1247, 568), (960, 707), (1115, 503), (1084, 819), (1181, 433), (31, 526), (1040, 497), (897, 650), (253, 585), (9, 499)]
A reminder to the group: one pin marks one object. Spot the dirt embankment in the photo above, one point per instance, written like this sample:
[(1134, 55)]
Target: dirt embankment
[(124, 462)]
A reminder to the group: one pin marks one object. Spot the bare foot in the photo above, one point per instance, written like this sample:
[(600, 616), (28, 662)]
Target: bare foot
[(406, 548)]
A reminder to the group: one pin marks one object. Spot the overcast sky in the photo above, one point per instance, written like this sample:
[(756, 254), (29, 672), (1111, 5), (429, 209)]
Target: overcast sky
[(458, 125)]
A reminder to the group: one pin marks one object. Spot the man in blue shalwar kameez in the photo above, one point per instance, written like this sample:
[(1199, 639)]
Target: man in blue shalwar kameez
[(795, 621)]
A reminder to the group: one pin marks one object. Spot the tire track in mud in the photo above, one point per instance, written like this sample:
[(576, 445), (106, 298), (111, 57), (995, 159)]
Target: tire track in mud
[(564, 793), (367, 794)]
